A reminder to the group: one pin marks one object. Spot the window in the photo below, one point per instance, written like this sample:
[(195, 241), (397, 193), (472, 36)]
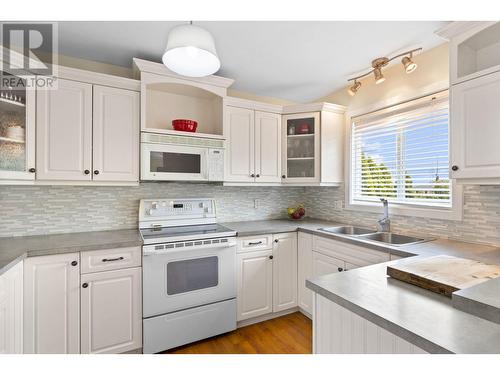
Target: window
[(402, 154)]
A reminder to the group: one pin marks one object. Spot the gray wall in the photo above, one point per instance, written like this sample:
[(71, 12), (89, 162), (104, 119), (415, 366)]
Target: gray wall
[(480, 224), (30, 210)]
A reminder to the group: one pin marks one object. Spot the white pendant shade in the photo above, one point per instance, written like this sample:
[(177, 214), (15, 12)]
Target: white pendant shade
[(191, 52)]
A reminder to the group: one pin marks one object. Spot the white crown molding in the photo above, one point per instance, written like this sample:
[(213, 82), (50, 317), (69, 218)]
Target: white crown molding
[(157, 68), (455, 28), (252, 104), (96, 78), (314, 107)]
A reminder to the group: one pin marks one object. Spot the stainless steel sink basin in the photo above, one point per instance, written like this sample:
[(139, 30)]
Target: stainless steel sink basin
[(392, 238), (348, 230)]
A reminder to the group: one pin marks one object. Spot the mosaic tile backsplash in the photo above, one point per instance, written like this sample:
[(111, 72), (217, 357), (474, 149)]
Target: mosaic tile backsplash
[(31, 210), (480, 224)]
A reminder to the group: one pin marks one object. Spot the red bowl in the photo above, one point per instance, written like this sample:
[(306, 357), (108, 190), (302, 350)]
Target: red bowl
[(185, 125)]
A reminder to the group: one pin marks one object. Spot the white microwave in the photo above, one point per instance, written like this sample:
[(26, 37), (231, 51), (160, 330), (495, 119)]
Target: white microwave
[(180, 158)]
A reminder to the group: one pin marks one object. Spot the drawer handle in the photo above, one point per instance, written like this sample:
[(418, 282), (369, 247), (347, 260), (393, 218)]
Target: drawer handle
[(112, 259), (340, 269), (255, 243)]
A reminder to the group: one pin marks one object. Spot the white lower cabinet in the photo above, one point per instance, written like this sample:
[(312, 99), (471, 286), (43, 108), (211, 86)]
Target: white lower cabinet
[(324, 265), (304, 271), (267, 278), (11, 310), (255, 284), (111, 318), (52, 304), (69, 312), (284, 271), (337, 330)]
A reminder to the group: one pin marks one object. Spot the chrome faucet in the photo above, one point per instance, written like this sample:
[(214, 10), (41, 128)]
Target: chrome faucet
[(384, 223)]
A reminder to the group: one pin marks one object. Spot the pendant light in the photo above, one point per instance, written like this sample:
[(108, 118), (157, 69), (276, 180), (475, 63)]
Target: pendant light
[(191, 52)]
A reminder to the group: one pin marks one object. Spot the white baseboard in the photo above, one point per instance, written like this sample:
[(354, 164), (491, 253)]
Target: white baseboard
[(262, 318)]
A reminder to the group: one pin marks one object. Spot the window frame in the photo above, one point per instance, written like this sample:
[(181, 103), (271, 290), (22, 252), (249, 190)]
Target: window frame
[(454, 212)]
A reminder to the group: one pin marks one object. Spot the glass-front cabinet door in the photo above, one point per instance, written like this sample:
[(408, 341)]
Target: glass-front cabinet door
[(301, 148), (17, 133)]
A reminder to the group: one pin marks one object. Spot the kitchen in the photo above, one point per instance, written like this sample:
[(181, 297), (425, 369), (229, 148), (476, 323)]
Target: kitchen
[(156, 204)]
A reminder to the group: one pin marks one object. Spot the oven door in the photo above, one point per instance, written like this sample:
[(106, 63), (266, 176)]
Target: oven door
[(173, 162), (182, 277)]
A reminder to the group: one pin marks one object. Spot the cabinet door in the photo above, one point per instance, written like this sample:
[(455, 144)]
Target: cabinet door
[(239, 129), (52, 304), (324, 265), (304, 251), (255, 284), (11, 310), (284, 271), (267, 147), (301, 148), (64, 132), (115, 134), (475, 128), (114, 327), (17, 135)]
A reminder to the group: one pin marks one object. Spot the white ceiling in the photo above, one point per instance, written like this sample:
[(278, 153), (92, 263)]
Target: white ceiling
[(293, 60)]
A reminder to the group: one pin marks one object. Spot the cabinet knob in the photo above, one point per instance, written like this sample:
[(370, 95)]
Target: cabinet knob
[(86, 171), (32, 170), (283, 176), (85, 285), (252, 175), (340, 269), (257, 175), (454, 168), (96, 172), (271, 257), (276, 240), (74, 263)]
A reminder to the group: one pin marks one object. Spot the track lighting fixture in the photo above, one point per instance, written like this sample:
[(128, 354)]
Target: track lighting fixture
[(380, 63), (354, 88)]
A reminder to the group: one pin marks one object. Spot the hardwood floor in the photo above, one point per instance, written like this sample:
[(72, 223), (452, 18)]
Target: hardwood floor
[(289, 334)]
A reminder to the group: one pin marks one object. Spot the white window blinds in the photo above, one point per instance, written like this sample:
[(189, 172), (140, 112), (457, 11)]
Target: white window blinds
[(402, 153)]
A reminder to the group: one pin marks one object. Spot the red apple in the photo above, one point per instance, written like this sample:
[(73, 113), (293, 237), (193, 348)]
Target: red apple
[(301, 211), (296, 215)]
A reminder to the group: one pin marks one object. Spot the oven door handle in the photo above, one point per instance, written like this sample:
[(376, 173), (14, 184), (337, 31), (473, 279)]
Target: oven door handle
[(146, 251)]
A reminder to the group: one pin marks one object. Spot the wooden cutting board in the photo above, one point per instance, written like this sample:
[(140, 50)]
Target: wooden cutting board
[(443, 274)]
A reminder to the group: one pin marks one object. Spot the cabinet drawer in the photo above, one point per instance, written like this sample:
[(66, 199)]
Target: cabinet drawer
[(357, 255), (111, 259), (254, 243)]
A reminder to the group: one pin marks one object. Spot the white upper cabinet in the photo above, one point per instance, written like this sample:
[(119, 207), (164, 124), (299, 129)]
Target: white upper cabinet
[(52, 304), (87, 132), (474, 49), (313, 144), (267, 147), (474, 109), (239, 130), (301, 148), (17, 136), (64, 132), (475, 128), (253, 145), (115, 134)]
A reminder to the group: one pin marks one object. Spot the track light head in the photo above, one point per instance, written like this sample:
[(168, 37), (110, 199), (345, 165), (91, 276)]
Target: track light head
[(354, 88), (408, 64), (379, 77)]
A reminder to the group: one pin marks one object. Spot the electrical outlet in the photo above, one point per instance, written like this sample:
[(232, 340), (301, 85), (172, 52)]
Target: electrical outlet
[(256, 203), (338, 205)]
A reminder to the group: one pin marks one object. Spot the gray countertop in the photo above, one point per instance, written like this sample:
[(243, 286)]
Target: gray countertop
[(13, 249), (424, 318)]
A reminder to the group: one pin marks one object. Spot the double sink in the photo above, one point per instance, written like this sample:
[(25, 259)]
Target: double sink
[(372, 235)]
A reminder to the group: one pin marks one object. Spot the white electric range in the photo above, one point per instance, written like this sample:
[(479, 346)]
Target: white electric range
[(189, 273)]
